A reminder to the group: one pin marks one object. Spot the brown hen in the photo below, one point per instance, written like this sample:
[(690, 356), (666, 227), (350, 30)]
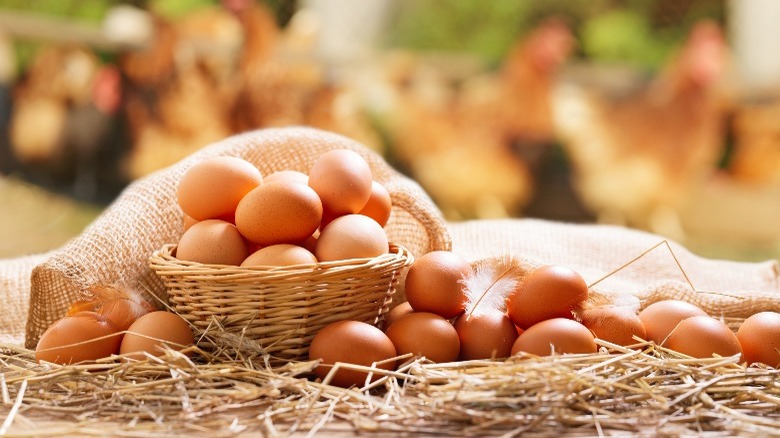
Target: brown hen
[(638, 155)]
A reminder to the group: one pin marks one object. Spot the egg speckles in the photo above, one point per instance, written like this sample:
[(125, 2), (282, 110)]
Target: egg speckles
[(212, 188), (703, 337), (279, 212), (84, 336), (759, 336), (342, 179), (153, 332), (547, 292), (212, 242), (355, 343)]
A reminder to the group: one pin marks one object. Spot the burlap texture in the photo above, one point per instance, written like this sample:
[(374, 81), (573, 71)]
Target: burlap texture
[(15, 296), (722, 288), (116, 247)]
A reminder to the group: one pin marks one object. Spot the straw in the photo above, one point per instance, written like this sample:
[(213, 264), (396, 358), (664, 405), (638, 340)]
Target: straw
[(647, 390)]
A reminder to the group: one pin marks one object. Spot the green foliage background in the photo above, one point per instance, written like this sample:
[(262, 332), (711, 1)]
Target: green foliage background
[(641, 33)]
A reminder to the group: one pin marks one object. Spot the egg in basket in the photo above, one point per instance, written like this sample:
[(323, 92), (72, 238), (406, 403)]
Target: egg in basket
[(276, 259)]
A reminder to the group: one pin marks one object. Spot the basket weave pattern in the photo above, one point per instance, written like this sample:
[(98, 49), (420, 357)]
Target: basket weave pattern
[(281, 308)]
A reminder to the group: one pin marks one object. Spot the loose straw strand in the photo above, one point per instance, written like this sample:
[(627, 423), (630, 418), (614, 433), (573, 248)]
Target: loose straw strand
[(644, 253)]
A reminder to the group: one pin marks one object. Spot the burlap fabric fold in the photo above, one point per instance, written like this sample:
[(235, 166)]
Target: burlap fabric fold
[(116, 247), (15, 296), (720, 287)]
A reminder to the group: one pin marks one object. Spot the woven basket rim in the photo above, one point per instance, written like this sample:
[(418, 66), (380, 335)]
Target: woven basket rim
[(163, 258)]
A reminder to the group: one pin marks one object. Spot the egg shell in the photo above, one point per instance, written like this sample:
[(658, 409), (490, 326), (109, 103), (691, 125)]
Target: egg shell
[(379, 205), (560, 334), (397, 312), (288, 175), (703, 336), (152, 331), (282, 254), (279, 212), (434, 283), (489, 334), (351, 342), (342, 178), (349, 237), (547, 292), (759, 336), (213, 187), (425, 334), (212, 242), (661, 317), (95, 335), (617, 325)]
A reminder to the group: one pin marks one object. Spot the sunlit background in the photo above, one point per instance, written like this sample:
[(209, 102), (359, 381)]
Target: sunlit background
[(660, 115)]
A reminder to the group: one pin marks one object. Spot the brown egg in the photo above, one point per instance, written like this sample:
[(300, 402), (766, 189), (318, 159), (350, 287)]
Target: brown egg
[(282, 254), (434, 283), (703, 336), (560, 334), (661, 317), (153, 331), (212, 188), (352, 236), (425, 334), (547, 292), (355, 343), (279, 212), (488, 334), (759, 336), (84, 336), (342, 179), (379, 205), (397, 312), (212, 242), (288, 175), (617, 325)]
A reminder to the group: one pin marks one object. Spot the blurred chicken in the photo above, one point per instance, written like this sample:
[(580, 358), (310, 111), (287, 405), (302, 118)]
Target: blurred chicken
[(63, 120), (189, 114), (283, 83), (637, 156), (756, 155), (181, 88), (462, 144), (516, 101)]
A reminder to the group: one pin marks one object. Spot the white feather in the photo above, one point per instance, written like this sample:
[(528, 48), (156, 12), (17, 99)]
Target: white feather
[(491, 283)]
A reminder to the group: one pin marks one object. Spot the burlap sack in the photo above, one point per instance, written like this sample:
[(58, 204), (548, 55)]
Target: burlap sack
[(15, 296), (115, 248), (725, 288)]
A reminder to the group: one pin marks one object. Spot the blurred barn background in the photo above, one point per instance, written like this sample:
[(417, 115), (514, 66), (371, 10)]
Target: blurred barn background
[(662, 115)]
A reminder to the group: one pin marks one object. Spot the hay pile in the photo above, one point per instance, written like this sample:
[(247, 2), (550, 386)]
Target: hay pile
[(648, 391)]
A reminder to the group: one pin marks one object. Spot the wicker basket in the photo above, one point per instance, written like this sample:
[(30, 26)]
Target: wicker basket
[(281, 308)]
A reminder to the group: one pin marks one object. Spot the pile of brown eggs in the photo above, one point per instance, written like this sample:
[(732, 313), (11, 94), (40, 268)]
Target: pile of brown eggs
[(546, 313), (234, 216), (115, 321)]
